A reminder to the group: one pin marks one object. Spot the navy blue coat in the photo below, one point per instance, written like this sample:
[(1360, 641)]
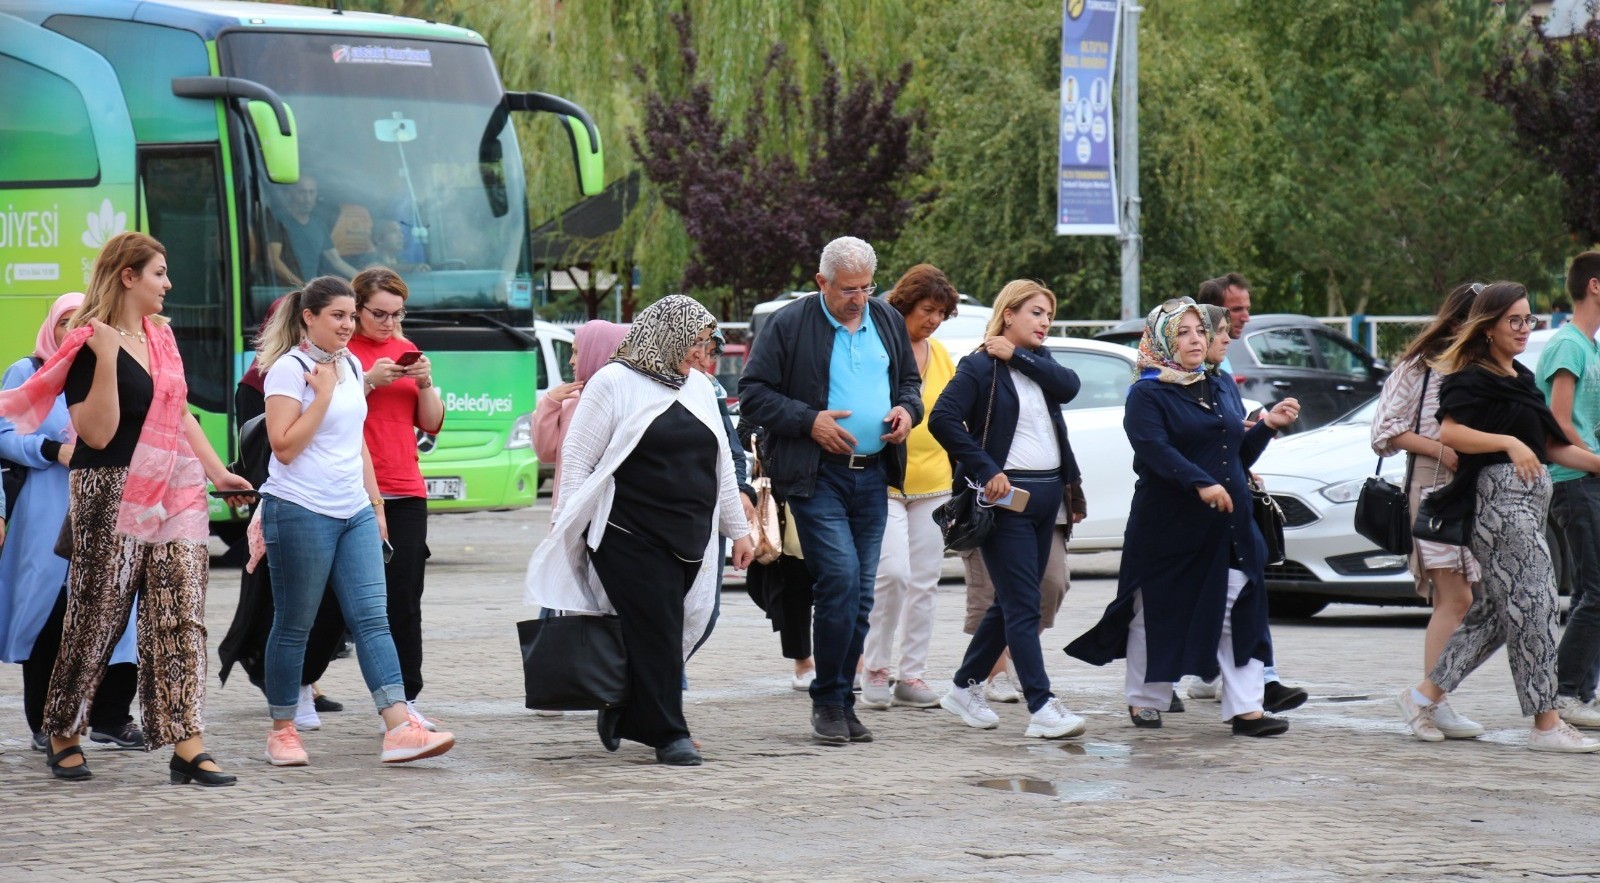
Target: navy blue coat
[(1177, 550)]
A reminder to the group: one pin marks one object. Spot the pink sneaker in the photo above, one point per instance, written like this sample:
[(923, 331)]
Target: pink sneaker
[(284, 748), (412, 741)]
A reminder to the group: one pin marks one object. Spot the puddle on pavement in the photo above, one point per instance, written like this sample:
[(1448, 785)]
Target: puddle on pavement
[(1065, 791), (1109, 751)]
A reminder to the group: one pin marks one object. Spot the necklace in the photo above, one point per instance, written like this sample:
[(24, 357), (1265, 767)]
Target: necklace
[(136, 335)]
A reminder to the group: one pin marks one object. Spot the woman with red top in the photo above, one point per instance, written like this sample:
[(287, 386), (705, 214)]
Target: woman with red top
[(400, 400)]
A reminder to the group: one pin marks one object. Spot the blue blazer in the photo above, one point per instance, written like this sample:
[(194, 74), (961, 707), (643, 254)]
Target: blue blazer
[(959, 416)]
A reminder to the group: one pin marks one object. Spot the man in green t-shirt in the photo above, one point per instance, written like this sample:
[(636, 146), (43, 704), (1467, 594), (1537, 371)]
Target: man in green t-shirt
[(1569, 377)]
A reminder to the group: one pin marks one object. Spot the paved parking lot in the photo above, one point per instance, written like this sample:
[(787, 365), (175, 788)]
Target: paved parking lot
[(1344, 794)]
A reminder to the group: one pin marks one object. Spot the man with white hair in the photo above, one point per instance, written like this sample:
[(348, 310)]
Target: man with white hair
[(834, 386)]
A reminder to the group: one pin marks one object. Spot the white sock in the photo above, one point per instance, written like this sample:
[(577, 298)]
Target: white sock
[(1417, 697)]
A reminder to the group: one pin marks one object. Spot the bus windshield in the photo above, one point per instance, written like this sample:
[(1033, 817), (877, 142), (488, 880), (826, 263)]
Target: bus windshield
[(406, 161)]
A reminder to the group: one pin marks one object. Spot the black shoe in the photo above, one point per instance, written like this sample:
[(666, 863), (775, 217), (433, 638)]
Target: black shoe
[(126, 736), (344, 651), (1278, 698), (828, 725), (1176, 706), (186, 771), (70, 773), (1145, 718), (324, 705), (1265, 725), (858, 731), (679, 753), (607, 722), (41, 742)]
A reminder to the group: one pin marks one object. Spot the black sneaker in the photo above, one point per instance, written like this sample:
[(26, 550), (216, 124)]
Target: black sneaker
[(41, 742), (1265, 725), (828, 725), (126, 736), (858, 731), (324, 705), (1278, 698), (1176, 705)]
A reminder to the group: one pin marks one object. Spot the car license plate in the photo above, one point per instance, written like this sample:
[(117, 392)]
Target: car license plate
[(445, 488)]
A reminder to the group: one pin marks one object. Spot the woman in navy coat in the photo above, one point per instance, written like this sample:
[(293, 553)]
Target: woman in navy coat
[(1190, 596), (1000, 418)]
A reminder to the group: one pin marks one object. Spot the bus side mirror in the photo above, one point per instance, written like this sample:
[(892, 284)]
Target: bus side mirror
[(269, 115), (587, 154)]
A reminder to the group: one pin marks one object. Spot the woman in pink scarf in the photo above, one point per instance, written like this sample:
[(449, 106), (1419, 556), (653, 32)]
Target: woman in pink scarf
[(138, 511), (592, 346)]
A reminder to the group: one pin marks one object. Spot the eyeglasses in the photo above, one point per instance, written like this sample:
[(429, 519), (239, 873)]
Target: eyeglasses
[(381, 316), (864, 291), (1530, 322)]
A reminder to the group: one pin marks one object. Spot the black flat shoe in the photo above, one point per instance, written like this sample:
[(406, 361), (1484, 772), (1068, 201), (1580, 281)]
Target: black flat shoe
[(71, 773), (1145, 718), (679, 753), (1176, 706), (186, 771), (1278, 698), (324, 705), (606, 722), (1265, 725)]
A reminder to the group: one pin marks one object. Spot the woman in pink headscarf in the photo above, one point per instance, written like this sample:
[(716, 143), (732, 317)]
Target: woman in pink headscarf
[(592, 346)]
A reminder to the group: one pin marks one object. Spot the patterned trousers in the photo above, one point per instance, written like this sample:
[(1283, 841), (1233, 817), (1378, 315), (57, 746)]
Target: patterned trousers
[(1516, 606), (108, 571)]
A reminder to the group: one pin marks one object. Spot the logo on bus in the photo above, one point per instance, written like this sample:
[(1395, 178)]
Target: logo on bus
[(481, 404), (344, 53), (104, 224)]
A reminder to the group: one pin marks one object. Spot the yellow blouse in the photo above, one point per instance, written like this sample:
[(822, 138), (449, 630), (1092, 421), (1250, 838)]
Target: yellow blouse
[(927, 464)]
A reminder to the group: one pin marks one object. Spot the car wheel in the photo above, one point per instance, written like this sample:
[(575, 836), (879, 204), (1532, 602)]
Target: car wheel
[(1294, 606)]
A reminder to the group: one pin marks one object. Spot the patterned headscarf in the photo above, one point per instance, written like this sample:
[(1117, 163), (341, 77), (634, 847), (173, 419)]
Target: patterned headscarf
[(661, 336), (1158, 347), (1214, 317)]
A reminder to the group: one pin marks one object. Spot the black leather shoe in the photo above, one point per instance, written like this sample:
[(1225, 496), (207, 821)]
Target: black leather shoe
[(1278, 698), (1176, 706), (324, 705), (1265, 725), (186, 771), (679, 753), (1145, 718), (71, 773), (608, 721), (828, 725), (858, 731), (126, 736)]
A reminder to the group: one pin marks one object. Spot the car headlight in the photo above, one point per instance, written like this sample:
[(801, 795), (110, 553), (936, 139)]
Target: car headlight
[(521, 435), (1349, 491)]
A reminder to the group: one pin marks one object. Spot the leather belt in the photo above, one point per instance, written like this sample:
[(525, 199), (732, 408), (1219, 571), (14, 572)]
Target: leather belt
[(851, 461)]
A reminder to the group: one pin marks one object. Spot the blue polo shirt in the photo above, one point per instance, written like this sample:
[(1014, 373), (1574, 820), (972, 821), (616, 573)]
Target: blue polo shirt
[(858, 381)]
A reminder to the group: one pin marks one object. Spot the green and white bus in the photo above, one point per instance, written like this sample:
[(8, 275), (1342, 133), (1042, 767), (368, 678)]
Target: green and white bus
[(254, 140)]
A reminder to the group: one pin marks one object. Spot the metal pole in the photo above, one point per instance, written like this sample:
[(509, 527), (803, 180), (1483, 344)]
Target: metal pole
[(1128, 160)]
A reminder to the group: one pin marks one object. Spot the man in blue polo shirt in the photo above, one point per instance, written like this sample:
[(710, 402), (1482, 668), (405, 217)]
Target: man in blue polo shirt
[(834, 387)]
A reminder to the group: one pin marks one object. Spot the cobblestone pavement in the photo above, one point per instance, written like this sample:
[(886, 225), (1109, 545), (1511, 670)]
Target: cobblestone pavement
[(1344, 794)]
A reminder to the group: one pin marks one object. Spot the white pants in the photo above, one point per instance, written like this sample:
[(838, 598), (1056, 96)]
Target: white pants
[(908, 579), (1242, 685)]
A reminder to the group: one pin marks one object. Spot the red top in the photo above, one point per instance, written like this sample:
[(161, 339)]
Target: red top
[(391, 428)]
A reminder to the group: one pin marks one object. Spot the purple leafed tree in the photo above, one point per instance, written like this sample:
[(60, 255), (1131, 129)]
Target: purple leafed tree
[(759, 200)]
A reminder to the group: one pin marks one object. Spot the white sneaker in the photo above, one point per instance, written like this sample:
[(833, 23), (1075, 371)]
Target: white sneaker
[(427, 724), (1001, 688), (305, 711), (1453, 724), (875, 691), (549, 712), (1199, 689), (1578, 714), (1054, 721), (1418, 718), (1561, 738), (969, 704), (802, 682)]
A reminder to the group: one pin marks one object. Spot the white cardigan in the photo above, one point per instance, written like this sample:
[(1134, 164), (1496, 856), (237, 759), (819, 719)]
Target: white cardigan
[(617, 405)]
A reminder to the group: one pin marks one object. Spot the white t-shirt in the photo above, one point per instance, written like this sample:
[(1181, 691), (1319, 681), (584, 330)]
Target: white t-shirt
[(326, 477), (1033, 445)]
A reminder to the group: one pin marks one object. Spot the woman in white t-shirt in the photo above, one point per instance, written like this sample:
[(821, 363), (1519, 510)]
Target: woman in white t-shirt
[(322, 517)]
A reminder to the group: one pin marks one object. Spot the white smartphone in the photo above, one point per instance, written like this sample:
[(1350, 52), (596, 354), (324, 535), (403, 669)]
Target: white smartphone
[(1016, 500)]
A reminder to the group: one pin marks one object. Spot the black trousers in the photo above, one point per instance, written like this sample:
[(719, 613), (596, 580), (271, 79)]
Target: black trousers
[(794, 630), (647, 585), (408, 533), (112, 699)]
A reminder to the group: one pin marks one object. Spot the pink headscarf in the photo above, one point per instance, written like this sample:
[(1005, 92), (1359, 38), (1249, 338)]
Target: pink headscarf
[(597, 342), (47, 343)]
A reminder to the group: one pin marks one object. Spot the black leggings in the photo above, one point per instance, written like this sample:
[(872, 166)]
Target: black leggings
[(112, 698), (408, 534)]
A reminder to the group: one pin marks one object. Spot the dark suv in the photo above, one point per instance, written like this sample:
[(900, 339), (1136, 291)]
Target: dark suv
[(1284, 355)]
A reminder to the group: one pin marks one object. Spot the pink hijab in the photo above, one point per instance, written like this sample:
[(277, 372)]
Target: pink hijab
[(597, 342), (46, 344)]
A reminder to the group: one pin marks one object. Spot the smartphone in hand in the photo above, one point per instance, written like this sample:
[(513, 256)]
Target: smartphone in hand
[(388, 552), (408, 359), (1016, 500)]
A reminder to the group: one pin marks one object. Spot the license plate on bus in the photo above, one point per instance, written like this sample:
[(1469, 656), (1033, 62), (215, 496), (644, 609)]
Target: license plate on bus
[(445, 488)]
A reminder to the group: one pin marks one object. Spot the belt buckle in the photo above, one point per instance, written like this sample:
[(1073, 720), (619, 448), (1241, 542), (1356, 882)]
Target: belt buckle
[(852, 463)]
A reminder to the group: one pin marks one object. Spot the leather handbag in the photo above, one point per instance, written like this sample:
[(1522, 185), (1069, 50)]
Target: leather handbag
[(1434, 526), (1269, 519), (1383, 511), (963, 519), (767, 533), (573, 663)]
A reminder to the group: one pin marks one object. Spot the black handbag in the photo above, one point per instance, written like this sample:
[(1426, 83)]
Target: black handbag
[(963, 519), (1269, 519), (1383, 511), (573, 663), (1436, 527)]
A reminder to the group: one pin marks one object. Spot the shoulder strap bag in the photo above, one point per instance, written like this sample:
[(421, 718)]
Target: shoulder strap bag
[(768, 535), (1383, 511), (964, 520)]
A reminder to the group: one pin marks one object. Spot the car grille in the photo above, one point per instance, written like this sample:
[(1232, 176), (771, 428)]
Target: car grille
[(1295, 512), (1290, 572)]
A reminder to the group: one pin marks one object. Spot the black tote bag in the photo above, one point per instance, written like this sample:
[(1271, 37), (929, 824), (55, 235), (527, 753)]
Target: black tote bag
[(963, 519), (1383, 511), (573, 663)]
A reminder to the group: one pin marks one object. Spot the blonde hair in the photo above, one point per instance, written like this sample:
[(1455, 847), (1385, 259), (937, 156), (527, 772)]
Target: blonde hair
[(1470, 345), (284, 331), (375, 279), (103, 299), (1011, 298)]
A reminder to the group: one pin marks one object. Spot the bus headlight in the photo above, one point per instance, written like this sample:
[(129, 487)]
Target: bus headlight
[(521, 433)]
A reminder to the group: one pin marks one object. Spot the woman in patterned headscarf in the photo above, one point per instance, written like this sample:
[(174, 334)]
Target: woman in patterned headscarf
[(646, 479), (1189, 601)]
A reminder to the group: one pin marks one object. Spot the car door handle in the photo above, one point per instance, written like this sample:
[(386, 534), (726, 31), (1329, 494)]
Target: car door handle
[(1344, 387), (1282, 384)]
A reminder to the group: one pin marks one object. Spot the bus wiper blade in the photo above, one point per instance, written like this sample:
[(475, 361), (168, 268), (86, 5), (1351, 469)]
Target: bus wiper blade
[(512, 331)]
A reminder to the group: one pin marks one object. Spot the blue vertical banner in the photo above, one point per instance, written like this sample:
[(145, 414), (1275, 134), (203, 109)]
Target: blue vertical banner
[(1086, 201)]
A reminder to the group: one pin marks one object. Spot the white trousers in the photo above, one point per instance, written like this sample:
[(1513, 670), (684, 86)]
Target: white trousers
[(1242, 685), (908, 580)]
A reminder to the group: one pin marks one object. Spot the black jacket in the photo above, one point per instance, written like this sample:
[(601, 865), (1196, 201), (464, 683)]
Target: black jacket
[(785, 386), (958, 417)]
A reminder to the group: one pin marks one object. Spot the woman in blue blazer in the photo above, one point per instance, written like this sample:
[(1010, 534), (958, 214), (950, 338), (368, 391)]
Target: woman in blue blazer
[(1000, 418)]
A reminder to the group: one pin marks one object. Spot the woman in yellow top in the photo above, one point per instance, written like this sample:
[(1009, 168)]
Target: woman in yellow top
[(908, 565)]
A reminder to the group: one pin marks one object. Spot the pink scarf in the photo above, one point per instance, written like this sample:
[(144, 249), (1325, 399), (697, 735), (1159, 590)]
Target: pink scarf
[(164, 498)]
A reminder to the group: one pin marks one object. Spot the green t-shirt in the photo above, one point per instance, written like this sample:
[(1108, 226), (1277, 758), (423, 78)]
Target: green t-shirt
[(1570, 350)]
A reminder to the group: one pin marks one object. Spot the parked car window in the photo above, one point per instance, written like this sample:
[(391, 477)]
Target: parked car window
[(1282, 347), (563, 351), (1104, 379), (1339, 355)]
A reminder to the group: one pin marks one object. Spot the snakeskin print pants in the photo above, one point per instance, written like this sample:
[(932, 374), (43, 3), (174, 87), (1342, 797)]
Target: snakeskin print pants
[(108, 571), (1516, 606)]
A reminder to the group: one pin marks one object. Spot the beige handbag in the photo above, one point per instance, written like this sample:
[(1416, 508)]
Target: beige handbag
[(766, 533)]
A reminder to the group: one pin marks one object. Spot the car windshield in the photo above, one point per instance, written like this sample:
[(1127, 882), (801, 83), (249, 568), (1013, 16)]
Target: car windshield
[(1104, 378), (1364, 414)]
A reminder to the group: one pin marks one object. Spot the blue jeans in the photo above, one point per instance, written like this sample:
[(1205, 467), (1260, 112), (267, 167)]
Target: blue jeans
[(841, 529), (1575, 508), (309, 552)]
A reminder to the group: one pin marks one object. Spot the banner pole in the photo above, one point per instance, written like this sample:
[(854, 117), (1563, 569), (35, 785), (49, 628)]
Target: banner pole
[(1128, 160)]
